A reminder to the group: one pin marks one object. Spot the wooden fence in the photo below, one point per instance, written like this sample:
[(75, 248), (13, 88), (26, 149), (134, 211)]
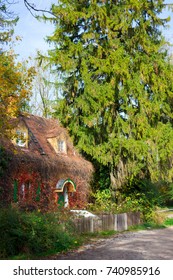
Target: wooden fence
[(117, 222)]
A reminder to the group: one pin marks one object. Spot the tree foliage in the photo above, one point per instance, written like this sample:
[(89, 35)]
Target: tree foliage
[(15, 79), (15, 86), (117, 85), (7, 21)]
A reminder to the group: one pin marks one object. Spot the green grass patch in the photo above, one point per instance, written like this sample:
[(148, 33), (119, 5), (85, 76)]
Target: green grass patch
[(168, 222), (107, 233), (100, 234), (146, 226)]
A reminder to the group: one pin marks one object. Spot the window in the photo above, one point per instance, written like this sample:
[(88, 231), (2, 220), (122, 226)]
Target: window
[(25, 190), (61, 146), (58, 144), (21, 139)]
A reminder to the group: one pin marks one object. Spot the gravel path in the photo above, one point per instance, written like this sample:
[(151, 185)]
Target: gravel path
[(141, 245)]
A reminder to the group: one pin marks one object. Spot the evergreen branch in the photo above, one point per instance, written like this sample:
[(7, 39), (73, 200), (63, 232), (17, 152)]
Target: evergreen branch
[(31, 8)]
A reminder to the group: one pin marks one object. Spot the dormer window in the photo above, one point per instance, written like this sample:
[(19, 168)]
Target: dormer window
[(21, 139), (61, 146)]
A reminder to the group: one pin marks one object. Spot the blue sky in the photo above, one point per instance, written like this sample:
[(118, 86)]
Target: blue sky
[(168, 33), (33, 32)]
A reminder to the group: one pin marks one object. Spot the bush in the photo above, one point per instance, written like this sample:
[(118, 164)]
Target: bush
[(102, 202), (142, 196), (34, 233), (9, 240)]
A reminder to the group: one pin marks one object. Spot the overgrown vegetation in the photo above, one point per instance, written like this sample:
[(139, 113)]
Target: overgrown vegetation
[(141, 196), (34, 233)]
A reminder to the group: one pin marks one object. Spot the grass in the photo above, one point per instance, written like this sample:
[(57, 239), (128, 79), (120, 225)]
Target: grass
[(168, 222), (101, 234), (146, 226)]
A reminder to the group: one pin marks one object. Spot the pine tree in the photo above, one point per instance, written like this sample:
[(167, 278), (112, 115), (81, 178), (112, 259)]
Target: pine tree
[(116, 85)]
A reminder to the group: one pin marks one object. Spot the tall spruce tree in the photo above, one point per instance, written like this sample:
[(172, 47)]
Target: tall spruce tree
[(116, 85)]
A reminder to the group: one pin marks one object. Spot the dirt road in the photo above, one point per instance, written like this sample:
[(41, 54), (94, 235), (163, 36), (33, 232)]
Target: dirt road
[(142, 245)]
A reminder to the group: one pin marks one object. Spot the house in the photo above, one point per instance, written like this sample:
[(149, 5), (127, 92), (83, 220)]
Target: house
[(42, 166)]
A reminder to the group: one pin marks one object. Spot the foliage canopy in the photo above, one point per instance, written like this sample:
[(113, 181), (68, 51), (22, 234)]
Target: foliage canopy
[(15, 80), (7, 21), (116, 85)]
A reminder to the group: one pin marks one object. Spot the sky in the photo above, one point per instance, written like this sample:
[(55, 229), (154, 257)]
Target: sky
[(33, 32)]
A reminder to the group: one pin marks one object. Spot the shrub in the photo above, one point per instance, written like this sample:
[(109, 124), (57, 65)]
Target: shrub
[(142, 198), (34, 233), (102, 202), (10, 232)]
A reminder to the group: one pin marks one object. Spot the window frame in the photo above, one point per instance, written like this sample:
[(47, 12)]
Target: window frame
[(21, 138), (61, 146)]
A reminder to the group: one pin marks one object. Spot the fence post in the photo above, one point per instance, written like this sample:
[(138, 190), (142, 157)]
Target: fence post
[(115, 222), (91, 224), (122, 222)]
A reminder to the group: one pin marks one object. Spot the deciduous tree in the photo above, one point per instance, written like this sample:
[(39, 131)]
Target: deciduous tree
[(15, 80)]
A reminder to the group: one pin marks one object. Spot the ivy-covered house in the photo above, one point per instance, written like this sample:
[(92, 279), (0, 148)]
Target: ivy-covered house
[(41, 167)]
